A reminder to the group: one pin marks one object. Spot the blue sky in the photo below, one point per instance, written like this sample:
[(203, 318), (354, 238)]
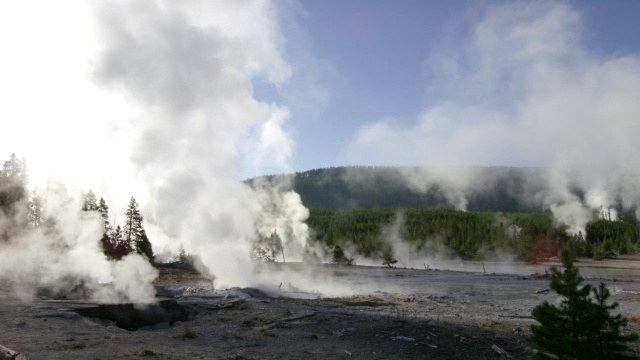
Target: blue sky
[(371, 61), (243, 88)]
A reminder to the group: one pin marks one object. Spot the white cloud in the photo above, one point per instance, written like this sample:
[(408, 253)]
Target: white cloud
[(522, 89)]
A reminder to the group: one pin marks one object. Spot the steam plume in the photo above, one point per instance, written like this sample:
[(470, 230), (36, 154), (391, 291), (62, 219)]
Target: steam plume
[(188, 68), (523, 90)]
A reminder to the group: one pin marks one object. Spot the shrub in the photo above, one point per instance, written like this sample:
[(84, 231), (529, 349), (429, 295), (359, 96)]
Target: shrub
[(579, 328)]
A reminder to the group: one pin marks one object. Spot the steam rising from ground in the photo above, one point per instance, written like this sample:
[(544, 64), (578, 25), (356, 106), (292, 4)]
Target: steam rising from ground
[(179, 113), (188, 68), (524, 90), (65, 256)]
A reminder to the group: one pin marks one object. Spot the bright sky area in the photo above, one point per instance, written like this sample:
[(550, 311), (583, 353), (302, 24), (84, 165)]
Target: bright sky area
[(410, 82), (367, 62)]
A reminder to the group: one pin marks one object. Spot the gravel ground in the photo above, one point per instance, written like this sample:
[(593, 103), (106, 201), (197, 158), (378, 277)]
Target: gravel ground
[(427, 314)]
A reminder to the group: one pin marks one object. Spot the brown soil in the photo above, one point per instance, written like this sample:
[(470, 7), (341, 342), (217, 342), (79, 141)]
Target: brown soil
[(239, 326)]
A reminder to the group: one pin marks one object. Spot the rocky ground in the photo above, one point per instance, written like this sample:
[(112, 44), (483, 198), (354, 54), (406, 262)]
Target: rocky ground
[(439, 315)]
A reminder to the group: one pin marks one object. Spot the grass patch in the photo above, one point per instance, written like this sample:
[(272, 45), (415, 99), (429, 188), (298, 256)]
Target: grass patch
[(238, 357), (188, 333), (148, 352)]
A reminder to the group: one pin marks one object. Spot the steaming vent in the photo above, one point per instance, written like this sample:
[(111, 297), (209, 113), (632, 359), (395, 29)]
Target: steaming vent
[(133, 317)]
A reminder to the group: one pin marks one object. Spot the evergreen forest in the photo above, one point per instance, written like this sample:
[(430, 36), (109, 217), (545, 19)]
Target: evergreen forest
[(351, 207)]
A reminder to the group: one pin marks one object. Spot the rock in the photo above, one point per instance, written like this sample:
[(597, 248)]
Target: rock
[(404, 338), (8, 354)]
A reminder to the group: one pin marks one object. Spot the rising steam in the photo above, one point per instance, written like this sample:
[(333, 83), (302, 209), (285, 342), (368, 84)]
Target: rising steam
[(520, 88), (188, 68), (161, 94)]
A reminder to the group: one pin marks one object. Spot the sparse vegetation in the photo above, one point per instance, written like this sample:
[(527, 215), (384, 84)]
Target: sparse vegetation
[(387, 257), (340, 258), (188, 333), (74, 346), (238, 357), (148, 352)]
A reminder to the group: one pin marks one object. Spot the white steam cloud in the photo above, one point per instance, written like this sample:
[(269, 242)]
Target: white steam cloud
[(522, 89), (188, 68), (65, 256), (152, 99)]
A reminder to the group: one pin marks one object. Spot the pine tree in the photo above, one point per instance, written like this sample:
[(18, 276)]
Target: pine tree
[(387, 257), (14, 194), (577, 328), (134, 232), (103, 209), (14, 179), (611, 344), (114, 245), (340, 258), (89, 203)]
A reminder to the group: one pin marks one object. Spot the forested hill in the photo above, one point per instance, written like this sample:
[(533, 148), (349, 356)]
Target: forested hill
[(473, 189)]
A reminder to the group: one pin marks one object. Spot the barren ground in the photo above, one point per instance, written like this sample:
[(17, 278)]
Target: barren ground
[(415, 314)]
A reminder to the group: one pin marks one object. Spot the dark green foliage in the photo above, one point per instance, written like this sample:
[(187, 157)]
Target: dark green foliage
[(578, 328), (368, 187), (114, 245), (103, 209), (340, 258), (464, 232), (387, 257), (607, 328), (134, 233), (620, 236), (350, 205)]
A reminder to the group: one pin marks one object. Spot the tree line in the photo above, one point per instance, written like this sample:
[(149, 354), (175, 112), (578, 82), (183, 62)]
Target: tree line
[(532, 237), (22, 210), (369, 187)]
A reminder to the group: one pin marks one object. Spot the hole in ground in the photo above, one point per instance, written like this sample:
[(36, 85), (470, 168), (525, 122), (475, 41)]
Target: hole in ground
[(132, 317)]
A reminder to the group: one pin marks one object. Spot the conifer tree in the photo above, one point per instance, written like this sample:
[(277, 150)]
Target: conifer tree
[(387, 257), (340, 258), (14, 178), (103, 209), (611, 343), (578, 328), (134, 232), (115, 247), (89, 203)]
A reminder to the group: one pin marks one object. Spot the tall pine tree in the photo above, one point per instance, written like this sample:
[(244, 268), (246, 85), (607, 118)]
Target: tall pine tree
[(103, 209), (134, 232)]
